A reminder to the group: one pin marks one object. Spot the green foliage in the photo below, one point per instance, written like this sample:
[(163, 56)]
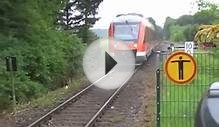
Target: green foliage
[(190, 31), (169, 22), (47, 56), (88, 35), (5, 102), (185, 20), (52, 98), (208, 14), (177, 33), (79, 16)]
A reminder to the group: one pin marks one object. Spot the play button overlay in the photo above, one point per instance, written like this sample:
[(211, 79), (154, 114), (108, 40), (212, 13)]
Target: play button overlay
[(109, 62), (107, 69)]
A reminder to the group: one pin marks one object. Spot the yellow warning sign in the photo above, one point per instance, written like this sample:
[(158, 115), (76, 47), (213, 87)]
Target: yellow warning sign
[(180, 67)]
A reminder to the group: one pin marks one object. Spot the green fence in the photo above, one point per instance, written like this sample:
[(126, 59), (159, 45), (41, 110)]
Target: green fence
[(177, 105)]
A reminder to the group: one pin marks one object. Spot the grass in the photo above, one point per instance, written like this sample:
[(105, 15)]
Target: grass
[(179, 103), (54, 97)]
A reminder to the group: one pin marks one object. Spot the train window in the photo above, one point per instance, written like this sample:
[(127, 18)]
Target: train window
[(126, 32)]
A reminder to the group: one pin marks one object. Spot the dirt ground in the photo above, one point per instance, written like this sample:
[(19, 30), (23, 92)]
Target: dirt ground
[(135, 105), (7, 121)]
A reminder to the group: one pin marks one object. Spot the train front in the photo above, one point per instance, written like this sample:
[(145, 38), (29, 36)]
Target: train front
[(124, 34)]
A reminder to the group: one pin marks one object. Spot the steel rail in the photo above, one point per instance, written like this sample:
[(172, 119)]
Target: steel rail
[(47, 115), (107, 103)]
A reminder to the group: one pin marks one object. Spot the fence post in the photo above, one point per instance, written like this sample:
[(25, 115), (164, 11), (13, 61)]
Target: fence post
[(11, 66), (158, 97), (13, 91)]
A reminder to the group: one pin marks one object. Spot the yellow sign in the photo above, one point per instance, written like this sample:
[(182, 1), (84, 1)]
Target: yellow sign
[(180, 67)]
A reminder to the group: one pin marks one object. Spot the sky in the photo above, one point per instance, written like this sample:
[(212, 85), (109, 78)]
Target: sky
[(158, 9)]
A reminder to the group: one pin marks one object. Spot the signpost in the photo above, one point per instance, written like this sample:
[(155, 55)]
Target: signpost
[(11, 66), (180, 67), (189, 46)]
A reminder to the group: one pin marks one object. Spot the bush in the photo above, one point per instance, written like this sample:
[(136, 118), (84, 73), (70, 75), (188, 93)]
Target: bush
[(5, 103), (46, 57), (177, 33)]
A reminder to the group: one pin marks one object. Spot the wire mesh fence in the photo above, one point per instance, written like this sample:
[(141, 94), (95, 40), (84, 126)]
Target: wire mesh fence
[(177, 105)]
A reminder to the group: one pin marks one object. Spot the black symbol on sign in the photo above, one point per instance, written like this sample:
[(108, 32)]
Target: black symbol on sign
[(180, 66)]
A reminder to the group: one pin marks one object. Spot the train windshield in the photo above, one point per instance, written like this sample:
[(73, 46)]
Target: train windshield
[(126, 32)]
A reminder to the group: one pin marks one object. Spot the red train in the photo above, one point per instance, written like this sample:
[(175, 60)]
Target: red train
[(135, 31)]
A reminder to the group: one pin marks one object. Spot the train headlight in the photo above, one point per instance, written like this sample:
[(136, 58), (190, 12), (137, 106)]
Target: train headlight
[(135, 45)]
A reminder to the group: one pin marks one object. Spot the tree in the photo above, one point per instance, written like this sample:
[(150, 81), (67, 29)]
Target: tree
[(79, 16), (46, 56), (159, 32), (158, 29), (168, 23), (190, 31), (207, 14), (177, 33), (185, 20)]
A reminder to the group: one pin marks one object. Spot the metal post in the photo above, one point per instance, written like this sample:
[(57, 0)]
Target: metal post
[(158, 97), (13, 91), (11, 67), (9, 64)]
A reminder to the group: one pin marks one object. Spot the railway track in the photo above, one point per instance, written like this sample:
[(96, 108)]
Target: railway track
[(81, 110)]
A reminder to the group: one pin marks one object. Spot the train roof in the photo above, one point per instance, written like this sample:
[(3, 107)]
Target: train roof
[(133, 17)]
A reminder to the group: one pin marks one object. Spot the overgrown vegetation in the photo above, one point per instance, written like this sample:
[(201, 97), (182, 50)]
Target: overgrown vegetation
[(185, 27), (79, 16), (55, 97), (47, 55)]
